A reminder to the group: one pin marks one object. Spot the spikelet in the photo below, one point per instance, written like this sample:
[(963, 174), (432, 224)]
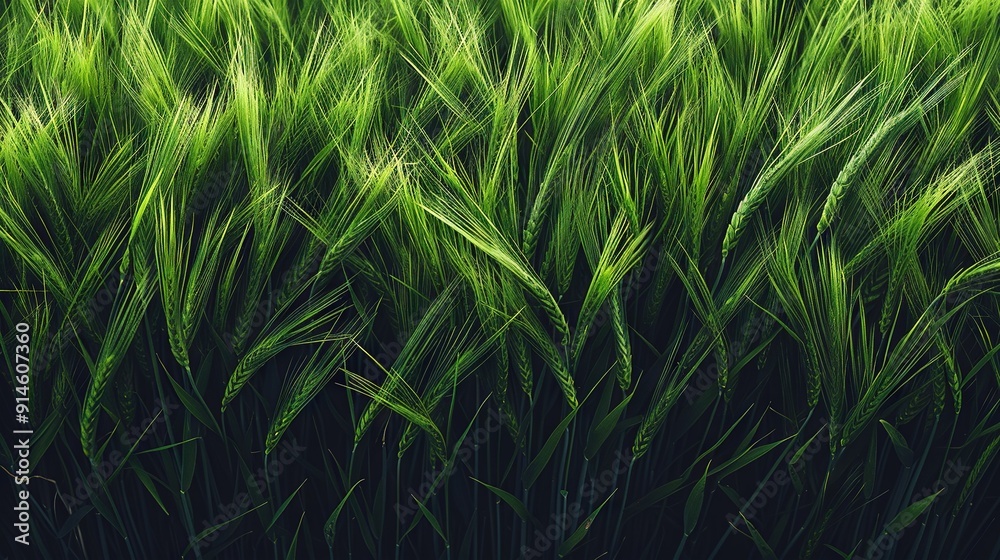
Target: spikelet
[(343, 246), (120, 333), (126, 264), (125, 396), (522, 361), (307, 262), (503, 369), (653, 420), (812, 375), (305, 388), (141, 354), (797, 151), (985, 460), (862, 413), (662, 273), (550, 354), (760, 330), (722, 362), (848, 174), (241, 332), (737, 223), (817, 533), (620, 327), (950, 368), (564, 268), (503, 401), (762, 357), (915, 404), (92, 404), (509, 419), (538, 210), (551, 309), (62, 389), (406, 440), (940, 384), (177, 346), (747, 206), (549, 258), (247, 366), (886, 129)]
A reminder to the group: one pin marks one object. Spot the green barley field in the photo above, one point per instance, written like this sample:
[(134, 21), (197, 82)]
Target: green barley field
[(500, 279)]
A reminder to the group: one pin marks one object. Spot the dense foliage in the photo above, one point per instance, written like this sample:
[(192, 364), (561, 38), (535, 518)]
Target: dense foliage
[(504, 278)]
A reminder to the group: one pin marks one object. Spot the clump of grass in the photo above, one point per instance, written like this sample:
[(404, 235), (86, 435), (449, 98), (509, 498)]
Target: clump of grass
[(496, 221)]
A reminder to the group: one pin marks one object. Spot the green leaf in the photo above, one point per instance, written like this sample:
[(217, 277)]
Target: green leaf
[(147, 481), (604, 428), (196, 406), (801, 450), (295, 540), (512, 501), (431, 519), (167, 446), (284, 505), (869, 480), (758, 540), (906, 517), (535, 467), (692, 509), (329, 528), (189, 457), (656, 495), (744, 459), (581, 531), (899, 444), (208, 531)]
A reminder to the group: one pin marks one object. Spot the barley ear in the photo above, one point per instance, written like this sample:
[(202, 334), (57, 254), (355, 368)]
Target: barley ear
[(620, 327), (985, 460)]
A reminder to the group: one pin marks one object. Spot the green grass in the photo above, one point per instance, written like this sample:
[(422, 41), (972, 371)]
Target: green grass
[(485, 279)]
